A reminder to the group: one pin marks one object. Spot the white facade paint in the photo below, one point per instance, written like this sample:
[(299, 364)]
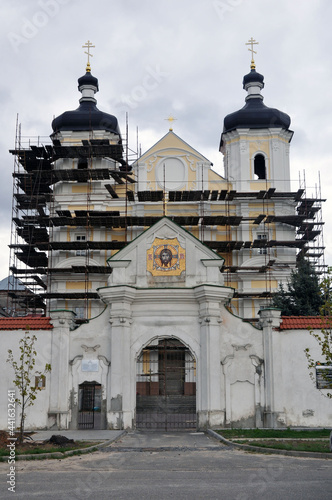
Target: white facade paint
[(246, 376)]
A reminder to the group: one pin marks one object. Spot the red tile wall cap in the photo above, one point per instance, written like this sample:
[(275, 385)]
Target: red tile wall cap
[(304, 322), (26, 323)]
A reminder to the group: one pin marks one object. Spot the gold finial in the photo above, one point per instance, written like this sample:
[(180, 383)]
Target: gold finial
[(88, 46), (252, 42), (170, 119)]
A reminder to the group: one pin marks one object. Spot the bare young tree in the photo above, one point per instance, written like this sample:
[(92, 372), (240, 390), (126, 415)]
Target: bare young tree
[(24, 369)]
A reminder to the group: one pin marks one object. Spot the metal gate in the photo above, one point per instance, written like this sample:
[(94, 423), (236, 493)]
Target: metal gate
[(89, 405), (166, 387)]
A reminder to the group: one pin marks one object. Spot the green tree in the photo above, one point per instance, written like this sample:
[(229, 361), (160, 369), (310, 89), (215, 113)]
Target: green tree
[(24, 369), (302, 295)]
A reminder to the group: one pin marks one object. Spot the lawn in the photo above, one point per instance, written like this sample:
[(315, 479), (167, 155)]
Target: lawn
[(274, 433), (283, 439)]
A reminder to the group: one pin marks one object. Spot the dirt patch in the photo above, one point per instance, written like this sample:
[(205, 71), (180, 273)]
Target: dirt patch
[(29, 446), (4, 439)]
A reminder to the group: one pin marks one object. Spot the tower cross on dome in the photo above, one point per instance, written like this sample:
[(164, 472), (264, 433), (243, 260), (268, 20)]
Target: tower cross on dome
[(88, 45), (252, 42)]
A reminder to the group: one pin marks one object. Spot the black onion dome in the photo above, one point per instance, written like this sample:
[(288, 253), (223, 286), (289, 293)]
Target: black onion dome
[(88, 79), (252, 77), (87, 116), (255, 114)]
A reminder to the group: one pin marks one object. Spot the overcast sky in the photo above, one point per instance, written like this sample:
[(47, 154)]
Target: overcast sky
[(154, 58)]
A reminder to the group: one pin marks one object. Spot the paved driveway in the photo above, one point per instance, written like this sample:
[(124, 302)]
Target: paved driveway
[(185, 466)]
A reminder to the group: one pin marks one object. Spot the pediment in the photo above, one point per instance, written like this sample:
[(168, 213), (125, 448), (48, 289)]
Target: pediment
[(165, 254), (171, 144), (171, 165)]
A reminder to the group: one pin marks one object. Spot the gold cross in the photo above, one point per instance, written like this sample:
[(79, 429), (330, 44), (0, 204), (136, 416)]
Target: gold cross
[(252, 42), (170, 119), (88, 45)]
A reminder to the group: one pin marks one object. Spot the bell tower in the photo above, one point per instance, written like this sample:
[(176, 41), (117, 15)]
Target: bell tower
[(255, 140)]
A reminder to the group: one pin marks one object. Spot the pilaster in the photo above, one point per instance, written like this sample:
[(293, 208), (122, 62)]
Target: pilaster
[(269, 319), (59, 414), (210, 412), (122, 370)]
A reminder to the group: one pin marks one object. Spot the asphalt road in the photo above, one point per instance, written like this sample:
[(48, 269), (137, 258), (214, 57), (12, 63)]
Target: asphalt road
[(171, 466)]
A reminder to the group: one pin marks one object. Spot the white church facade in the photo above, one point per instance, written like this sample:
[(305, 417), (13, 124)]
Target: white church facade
[(170, 357), (155, 276)]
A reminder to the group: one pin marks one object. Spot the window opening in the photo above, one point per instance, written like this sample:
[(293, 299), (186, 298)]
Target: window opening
[(80, 312), (80, 237), (259, 167), (263, 250)]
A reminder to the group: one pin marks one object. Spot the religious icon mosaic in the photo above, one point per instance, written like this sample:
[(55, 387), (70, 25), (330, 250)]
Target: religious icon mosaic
[(166, 257)]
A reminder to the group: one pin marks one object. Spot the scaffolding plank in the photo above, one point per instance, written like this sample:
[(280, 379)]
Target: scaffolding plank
[(259, 219), (130, 196), (111, 191)]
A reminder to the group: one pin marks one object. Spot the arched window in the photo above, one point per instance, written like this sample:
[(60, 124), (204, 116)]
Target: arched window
[(259, 167)]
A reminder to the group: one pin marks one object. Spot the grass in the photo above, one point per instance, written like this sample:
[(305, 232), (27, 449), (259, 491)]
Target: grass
[(315, 446), (274, 433), (281, 439), (48, 448)]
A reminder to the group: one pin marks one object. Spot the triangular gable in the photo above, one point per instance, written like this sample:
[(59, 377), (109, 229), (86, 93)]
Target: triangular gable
[(172, 141), (164, 222), (172, 165), (166, 253)]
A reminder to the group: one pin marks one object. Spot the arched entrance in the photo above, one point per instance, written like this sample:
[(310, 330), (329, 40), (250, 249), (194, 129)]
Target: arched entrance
[(166, 386)]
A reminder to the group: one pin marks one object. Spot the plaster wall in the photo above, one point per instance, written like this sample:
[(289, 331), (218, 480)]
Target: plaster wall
[(297, 399), (37, 415)]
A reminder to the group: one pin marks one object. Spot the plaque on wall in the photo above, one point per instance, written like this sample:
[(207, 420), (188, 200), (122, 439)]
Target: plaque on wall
[(324, 376), (90, 365)]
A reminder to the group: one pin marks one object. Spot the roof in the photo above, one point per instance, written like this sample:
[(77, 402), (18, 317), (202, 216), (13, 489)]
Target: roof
[(179, 143), (10, 282), (87, 116), (26, 323), (304, 323), (255, 115)]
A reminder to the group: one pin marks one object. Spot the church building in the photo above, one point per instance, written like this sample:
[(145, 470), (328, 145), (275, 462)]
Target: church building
[(148, 282)]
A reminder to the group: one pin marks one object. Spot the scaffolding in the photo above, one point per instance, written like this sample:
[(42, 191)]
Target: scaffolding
[(35, 217)]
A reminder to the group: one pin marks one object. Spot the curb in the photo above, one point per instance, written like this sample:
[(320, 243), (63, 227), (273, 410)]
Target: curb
[(60, 454), (256, 449)]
